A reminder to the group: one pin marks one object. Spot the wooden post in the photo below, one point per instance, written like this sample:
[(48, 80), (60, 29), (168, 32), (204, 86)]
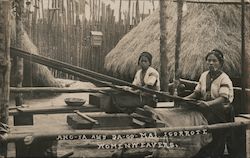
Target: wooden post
[(164, 77), (4, 67), (19, 61), (178, 45), (244, 65), (20, 119)]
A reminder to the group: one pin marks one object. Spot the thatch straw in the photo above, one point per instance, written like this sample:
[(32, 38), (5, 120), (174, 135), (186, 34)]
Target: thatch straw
[(40, 75), (204, 27)]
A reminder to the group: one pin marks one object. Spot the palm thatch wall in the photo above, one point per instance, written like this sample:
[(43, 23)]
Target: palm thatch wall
[(204, 27)]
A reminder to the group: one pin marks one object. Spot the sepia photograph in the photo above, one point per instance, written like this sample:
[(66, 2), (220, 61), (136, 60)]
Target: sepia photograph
[(125, 78)]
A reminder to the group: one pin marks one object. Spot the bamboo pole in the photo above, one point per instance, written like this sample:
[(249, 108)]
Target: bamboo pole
[(137, 12), (160, 132), (42, 10), (143, 8), (4, 68), (164, 79), (133, 12), (82, 53), (129, 8), (99, 13), (153, 3), (120, 11), (57, 90)]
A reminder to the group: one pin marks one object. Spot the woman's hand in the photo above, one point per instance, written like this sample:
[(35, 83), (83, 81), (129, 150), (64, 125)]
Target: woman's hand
[(203, 104)]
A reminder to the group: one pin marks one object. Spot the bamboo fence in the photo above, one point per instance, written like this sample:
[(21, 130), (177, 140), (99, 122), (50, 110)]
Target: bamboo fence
[(62, 32)]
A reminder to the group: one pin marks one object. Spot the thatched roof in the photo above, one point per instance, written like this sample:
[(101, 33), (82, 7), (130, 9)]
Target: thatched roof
[(204, 27)]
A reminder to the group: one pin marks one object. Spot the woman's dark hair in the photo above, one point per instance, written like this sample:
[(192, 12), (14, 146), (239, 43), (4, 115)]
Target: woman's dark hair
[(218, 54), (147, 55)]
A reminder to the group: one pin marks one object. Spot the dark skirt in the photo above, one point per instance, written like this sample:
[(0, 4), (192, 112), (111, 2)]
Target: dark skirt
[(217, 114)]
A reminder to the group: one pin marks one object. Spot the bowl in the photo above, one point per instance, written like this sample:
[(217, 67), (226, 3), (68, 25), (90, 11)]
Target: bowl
[(74, 101)]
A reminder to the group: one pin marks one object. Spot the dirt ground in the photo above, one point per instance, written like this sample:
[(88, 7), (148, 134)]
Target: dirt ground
[(49, 120)]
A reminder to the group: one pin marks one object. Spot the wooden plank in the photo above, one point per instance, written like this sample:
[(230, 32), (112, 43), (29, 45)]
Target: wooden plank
[(53, 109)]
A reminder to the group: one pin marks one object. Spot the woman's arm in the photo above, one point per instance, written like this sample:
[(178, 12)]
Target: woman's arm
[(217, 101), (194, 95)]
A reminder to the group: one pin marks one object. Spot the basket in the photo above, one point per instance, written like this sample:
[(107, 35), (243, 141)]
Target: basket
[(74, 101)]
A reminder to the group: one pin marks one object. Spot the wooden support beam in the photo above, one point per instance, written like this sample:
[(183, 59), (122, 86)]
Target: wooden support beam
[(4, 67)]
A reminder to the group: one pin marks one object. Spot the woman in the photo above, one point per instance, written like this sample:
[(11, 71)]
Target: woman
[(215, 90), (146, 77)]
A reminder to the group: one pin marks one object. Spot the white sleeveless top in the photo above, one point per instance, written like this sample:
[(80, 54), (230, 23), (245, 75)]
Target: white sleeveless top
[(221, 86), (151, 78)]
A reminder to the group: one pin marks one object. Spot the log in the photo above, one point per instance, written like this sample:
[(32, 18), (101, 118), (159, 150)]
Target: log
[(203, 129)]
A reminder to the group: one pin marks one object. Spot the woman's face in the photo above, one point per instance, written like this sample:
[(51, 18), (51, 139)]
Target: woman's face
[(144, 63), (213, 63)]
